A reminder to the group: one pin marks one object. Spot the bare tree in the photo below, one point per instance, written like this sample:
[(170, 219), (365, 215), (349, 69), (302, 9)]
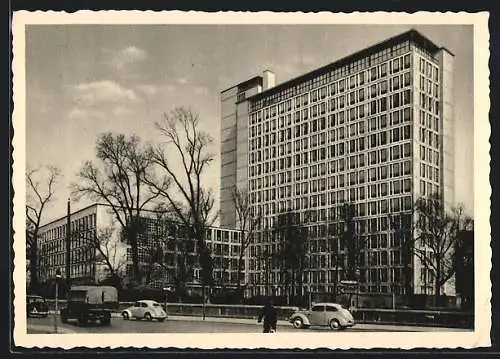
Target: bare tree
[(247, 226), (110, 254), (437, 234), (119, 182), (292, 239), (39, 194), (349, 237), (182, 162)]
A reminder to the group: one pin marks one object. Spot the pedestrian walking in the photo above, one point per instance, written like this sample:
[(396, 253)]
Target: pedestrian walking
[(269, 315)]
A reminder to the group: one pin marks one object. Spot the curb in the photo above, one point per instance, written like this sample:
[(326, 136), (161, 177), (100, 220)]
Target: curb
[(47, 329)]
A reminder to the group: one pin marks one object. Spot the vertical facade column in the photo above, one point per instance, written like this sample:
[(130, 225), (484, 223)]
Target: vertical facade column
[(234, 144), (447, 139), (447, 136), (228, 156)]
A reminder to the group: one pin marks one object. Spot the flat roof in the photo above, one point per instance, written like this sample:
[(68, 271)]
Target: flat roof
[(257, 79), (143, 211), (71, 213), (412, 35)]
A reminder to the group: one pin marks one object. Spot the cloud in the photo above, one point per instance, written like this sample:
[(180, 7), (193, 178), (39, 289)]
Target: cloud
[(150, 90), (78, 113), (95, 93), (127, 56), (120, 110), (201, 90), (153, 90)]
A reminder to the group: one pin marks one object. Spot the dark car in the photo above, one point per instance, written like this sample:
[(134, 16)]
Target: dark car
[(89, 304), (36, 306)]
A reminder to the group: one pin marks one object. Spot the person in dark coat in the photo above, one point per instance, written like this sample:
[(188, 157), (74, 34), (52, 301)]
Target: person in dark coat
[(270, 316)]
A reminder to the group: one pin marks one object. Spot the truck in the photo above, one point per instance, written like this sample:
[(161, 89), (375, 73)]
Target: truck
[(90, 304)]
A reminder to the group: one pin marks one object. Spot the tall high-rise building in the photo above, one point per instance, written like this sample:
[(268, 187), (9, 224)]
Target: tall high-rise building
[(369, 133)]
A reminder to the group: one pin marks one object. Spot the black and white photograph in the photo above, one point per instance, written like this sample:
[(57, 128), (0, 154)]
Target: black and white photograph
[(251, 180)]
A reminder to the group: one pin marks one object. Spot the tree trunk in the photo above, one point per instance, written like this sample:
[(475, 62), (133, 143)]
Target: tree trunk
[(33, 255), (437, 286), (239, 274), (132, 237), (135, 260)]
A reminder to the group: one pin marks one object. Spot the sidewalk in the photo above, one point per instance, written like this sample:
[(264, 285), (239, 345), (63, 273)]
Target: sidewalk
[(362, 326)]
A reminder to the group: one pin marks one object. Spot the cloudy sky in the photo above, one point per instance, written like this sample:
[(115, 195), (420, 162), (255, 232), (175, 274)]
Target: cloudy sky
[(82, 80)]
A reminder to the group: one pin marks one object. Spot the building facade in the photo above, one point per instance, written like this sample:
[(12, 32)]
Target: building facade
[(373, 131), (95, 226), (167, 239), (52, 247)]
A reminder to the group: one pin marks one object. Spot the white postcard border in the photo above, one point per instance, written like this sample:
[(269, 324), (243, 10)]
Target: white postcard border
[(480, 337)]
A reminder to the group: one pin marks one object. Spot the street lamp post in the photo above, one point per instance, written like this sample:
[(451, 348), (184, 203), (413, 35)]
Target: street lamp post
[(166, 290), (58, 276), (357, 274), (393, 289)]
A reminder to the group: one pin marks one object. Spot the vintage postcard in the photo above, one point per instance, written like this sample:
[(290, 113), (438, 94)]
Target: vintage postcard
[(251, 180)]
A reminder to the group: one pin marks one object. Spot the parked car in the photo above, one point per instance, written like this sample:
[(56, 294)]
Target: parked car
[(90, 303), (333, 315), (36, 306), (145, 309)]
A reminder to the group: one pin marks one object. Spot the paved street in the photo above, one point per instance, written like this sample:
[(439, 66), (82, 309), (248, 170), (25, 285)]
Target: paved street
[(195, 325)]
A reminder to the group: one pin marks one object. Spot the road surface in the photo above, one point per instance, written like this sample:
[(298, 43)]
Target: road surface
[(194, 325)]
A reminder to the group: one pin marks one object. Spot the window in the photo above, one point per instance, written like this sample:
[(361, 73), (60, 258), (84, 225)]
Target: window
[(383, 70), (361, 95), (383, 172), (383, 104), (406, 97), (407, 61), (395, 83), (395, 65), (406, 79), (361, 78), (383, 189), (383, 87), (383, 121), (331, 308), (395, 118), (395, 100)]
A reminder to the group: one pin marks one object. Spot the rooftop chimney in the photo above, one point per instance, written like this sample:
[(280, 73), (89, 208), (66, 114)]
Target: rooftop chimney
[(269, 79)]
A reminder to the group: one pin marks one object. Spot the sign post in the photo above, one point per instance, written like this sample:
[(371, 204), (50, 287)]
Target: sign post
[(166, 290), (357, 274)]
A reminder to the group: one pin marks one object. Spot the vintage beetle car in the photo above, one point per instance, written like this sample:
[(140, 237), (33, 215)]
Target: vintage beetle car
[(145, 309), (36, 306), (332, 315)]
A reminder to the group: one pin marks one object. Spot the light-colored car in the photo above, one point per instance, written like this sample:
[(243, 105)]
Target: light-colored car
[(145, 309), (333, 315)]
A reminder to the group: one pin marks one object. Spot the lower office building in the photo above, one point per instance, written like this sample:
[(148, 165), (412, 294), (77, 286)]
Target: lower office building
[(96, 224)]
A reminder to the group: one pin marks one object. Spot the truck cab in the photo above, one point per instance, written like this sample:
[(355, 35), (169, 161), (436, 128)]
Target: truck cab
[(90, 304)]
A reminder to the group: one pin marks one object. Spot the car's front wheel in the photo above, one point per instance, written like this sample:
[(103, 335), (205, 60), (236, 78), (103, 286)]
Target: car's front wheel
[(334, 324), (125, 316), (148, 317), (298, 323)]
